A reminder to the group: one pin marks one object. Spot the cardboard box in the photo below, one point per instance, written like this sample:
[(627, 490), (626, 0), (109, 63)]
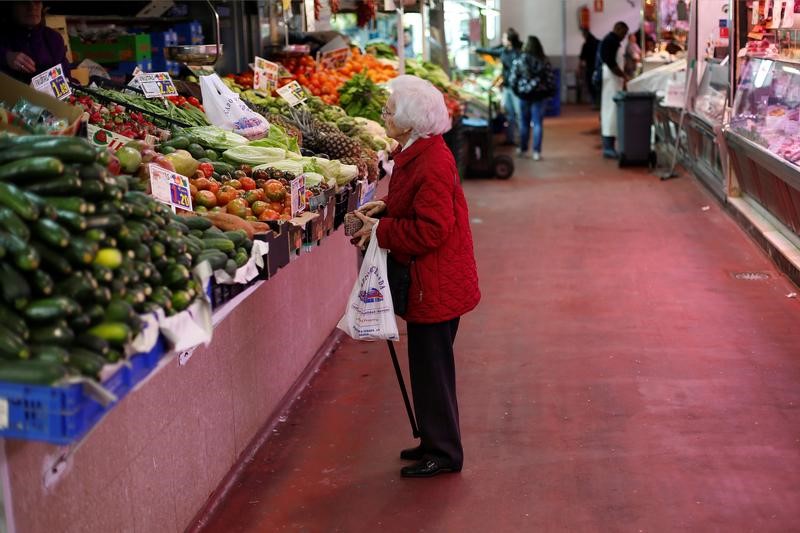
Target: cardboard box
[(11, 91), (81, 74), (59, 23), (134, 48)]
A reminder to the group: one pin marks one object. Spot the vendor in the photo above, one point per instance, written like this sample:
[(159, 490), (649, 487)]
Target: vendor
[(27, 46)]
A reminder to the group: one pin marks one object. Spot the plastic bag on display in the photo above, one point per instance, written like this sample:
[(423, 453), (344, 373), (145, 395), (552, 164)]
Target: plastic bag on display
[(369, 315), (226, 110)]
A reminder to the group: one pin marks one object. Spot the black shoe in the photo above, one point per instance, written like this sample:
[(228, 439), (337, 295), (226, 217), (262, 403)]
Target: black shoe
[(412, 454), (428, 468)]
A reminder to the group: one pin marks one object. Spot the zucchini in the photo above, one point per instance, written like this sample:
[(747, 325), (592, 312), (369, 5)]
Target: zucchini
[(81, 251), (93, 171), (181, 300), (102, 295), (86, 362), (49, 353), (113, 356), (176, 276), (54, 260), (237, 236), (116, 333), (140, 211), (42, 282), (178, 226), (96, 234), (31, 372), (102, 274), (213, 231), (32, 167), (45, 209), (67, 184), (215, 258), (14, 322), (11, 345), (59, 334), (13, 197), (93, 343), (47, 309), (50, 232), (68, 203), (13, 224), (95, 190), (111, 221), (119, 310), (25, 257), (223, 168), (71, 219), (67, 149), (230, 267), (221, 244), (157, 250), (241, 257), (79, 286), (163, 297), (96, 313), (80, 322)]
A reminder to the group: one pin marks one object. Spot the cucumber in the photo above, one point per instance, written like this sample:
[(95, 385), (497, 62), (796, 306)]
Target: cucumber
[(142, 252), (179, 143), (213, 231), (241, 257), (68, 203), (157, 250), (96, 313), (179, 226), (102, 274), (53, 260), (45, 210), (79, 286), (94, 190), (13, 197), (93, 171), (116, 333), (93, 343), (49, 353), (67, 184), (48, 309), (119, 310), (181, 300), (215, 258), (14, 322), (176, 276), (50, 232), (41, 282), (247, 245), (32, 167), (109, 222), (86, 362), (223, 168), (14, 287), (31, 372), (80, 322), (140, 211), (67, 149), (197, 222), (57, 333), (97, 235), (11, 345), (81, 251), (221, 244), (163, 297), (230, 267), (74, 221), (102, 295), (25, 257), (13, 224)]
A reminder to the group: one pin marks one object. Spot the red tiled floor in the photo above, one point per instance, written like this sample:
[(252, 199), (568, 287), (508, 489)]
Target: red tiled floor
[(615, 377)]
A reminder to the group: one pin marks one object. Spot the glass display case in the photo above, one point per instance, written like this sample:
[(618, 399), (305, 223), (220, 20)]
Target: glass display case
[(712, 92), (763, 136)]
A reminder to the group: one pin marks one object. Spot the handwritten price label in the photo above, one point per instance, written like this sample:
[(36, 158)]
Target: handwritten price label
[(333, 59), (156, 84), (293, 93), (170, 188), (52, 81), (265, 75)]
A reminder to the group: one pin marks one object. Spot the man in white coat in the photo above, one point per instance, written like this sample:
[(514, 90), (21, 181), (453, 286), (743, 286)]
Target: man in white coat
[(612, 55)]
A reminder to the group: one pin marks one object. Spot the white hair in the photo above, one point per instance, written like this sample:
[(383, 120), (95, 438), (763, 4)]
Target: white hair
[(419, 106)]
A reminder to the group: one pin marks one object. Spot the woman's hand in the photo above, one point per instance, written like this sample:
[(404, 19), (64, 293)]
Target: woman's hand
[(372, 209), (21, 62), (361, 237)]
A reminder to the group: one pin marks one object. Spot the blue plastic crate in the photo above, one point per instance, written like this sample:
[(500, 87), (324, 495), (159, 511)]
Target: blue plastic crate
[(144, 363), (58, 415)]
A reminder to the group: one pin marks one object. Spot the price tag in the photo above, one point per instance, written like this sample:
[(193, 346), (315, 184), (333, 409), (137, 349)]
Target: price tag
[(156, 84), (293, 93), (102, 137), (333, 59), (52, 81), (755, 13), (265, 78), (170, 188), (298, 194)]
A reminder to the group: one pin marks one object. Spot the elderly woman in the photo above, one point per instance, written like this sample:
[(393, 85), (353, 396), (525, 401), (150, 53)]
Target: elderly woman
[(27, 46), (424, 222)]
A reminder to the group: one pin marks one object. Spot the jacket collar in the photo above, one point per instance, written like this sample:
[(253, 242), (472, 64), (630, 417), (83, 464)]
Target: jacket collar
[(420, 145)]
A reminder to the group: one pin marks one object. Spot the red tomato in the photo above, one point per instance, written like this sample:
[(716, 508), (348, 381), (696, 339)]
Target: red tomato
[(207, 168), (203, 184), (238, 207), (226, 194), (248, 184), (259, 207), (268, 214), (236, 184), (213, 185)]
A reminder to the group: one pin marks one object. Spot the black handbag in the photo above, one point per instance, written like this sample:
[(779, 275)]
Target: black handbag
[(399, 278)]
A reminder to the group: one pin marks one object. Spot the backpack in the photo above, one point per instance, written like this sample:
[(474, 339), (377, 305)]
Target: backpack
[(531, 79)]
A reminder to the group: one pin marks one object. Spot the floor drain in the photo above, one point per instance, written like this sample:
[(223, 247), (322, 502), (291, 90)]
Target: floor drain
[(751, 276)]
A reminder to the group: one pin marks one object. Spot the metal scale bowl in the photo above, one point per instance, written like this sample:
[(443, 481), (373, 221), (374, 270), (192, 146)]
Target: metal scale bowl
[(199, 54)]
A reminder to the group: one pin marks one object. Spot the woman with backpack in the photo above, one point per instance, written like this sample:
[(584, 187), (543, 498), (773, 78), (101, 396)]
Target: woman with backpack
[(533, 82)]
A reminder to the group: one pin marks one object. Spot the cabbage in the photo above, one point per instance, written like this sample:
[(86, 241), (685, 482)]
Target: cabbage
[(313, 179), (310, 164), (214, 137), (286, 165), (254, 155), (277, 138), (347, 173)]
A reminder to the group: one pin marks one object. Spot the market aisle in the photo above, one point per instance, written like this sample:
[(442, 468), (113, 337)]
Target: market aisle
[(616, 377)]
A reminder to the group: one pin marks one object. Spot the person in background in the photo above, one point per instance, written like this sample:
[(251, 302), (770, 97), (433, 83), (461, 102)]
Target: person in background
[(409, 43), (529, 73), (587, 62), (425, 223), (508, 51), (611, 54), (27, 46), (633, 55)]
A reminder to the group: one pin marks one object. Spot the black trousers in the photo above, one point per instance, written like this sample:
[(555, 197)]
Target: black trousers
[(433, 386)]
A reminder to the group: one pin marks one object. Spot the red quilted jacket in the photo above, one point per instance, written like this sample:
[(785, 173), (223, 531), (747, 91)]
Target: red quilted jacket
[(427, 218)]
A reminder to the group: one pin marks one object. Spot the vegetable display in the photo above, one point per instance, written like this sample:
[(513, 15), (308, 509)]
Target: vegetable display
[(361, 97)]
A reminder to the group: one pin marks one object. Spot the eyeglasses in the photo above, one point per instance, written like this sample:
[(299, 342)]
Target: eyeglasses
[(386, 113)]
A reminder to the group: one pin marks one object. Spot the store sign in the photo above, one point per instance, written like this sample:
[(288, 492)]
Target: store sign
[(53, 82), (170, 188), (265, 75), (102, 137), (298, 195), (293, 93), (333, 59), (724, 31), (156, 84)]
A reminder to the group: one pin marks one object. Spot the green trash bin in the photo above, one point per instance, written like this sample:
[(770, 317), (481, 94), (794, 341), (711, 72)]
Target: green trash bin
[(634, 121)]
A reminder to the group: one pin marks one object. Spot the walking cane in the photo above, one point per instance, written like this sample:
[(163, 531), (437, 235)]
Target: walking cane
[(414, 430)]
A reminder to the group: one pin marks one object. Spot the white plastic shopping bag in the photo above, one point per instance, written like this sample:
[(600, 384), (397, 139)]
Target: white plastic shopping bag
[(369, 315), (226, 110)]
